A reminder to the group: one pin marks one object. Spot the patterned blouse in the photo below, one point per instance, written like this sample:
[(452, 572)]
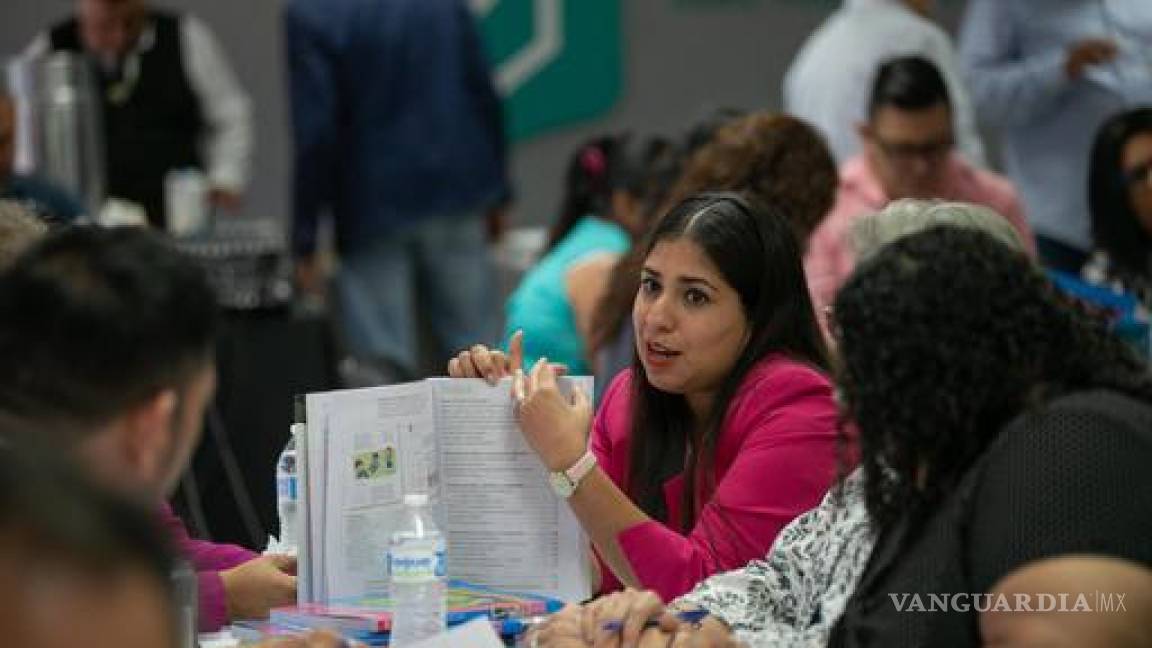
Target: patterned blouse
[(796, 594)]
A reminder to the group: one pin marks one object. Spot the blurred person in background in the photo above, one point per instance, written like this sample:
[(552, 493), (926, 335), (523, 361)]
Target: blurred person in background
[(399, 139), (1120, 198), (828, 83), (42, 197), (607, 183), (168, 96), (908, 152), (1045, 74)]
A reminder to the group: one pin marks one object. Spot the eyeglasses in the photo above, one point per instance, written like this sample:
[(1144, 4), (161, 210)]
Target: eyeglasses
[(1141, 174), (906, 152)]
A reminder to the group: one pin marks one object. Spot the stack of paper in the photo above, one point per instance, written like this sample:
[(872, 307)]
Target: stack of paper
[(362, 450)]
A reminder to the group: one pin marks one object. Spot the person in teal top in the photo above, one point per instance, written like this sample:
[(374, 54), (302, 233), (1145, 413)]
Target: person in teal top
[(599, 219)]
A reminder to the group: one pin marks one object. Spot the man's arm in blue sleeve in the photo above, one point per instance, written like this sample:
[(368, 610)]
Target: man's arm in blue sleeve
[(314, 100), (1008, 87)]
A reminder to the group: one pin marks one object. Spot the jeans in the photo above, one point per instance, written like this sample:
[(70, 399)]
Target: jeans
[(440, 265)]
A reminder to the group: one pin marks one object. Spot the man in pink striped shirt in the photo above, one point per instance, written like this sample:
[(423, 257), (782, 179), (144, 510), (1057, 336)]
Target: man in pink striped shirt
[(908, 152)]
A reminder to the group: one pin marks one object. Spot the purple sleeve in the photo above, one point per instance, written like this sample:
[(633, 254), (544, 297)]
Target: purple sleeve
[(208, 559), (203, 555), (213, 611)]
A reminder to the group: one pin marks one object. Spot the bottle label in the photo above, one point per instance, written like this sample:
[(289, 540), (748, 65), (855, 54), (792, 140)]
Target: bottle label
[(286, 487), (415, 564)]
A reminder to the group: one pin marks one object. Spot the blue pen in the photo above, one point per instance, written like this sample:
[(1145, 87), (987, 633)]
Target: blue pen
[(514, 626), (691, 617)]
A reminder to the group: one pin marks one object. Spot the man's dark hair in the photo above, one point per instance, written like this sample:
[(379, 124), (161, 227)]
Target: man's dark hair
[(96, 321), (908, 83)]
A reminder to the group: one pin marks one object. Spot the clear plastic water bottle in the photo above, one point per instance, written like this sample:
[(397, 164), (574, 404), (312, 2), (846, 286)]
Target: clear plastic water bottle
[(185, 593), (287, 495), (416, 575)]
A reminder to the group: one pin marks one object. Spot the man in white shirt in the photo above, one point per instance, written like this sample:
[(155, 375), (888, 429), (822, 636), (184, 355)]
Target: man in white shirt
[(1046, 74), (170, 100), (829, 81)]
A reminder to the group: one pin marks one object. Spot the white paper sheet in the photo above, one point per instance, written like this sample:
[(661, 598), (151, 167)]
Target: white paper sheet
[(505, 526), (477, 633), (458, 441), (378, 444)]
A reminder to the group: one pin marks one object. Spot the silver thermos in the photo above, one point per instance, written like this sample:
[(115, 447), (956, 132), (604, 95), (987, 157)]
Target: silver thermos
[(62, 137)]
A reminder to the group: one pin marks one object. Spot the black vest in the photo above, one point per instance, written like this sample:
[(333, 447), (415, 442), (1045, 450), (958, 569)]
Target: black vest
[(156, 127)]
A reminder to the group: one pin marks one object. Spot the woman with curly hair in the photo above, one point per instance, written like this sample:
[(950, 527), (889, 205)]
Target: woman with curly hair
[(998, 426), (1120, 199), (608, 178)]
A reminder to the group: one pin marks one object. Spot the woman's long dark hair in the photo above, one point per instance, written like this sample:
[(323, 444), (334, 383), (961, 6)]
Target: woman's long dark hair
[(1115, 227), (775, 159), (754, 249), (945, 337)]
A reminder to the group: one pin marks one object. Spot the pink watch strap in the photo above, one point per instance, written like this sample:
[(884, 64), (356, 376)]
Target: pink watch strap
[(581, 468)]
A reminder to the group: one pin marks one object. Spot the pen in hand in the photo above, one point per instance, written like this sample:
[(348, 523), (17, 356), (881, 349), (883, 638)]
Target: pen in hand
[(691, 617)]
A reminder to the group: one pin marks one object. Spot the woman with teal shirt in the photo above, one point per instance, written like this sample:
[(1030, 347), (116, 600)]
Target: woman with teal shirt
[(607, 179)]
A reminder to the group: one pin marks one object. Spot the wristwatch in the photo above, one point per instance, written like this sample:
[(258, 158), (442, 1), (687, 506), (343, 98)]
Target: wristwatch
[(564, 483)]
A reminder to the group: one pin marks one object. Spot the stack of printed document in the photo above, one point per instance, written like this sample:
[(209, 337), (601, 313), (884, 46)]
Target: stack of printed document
[(360, 451)]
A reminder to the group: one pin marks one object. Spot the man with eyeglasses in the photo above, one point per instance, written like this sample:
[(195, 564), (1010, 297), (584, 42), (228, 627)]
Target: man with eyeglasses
[(1045, 74), (828, 82), (907, 151)]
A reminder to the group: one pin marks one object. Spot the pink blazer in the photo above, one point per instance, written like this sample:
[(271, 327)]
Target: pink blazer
[(776, 456)]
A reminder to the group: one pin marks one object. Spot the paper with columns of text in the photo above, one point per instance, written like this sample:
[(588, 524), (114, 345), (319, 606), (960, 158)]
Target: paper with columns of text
[(458, 440)]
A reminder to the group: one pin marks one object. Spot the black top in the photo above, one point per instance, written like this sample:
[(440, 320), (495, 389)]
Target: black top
[(1073, 477), (152, 118)]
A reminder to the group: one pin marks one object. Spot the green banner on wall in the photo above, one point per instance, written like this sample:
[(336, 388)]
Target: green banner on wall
[(557, 62)]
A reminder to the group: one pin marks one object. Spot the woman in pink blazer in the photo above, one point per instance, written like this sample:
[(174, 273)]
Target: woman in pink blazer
[(725, 427)]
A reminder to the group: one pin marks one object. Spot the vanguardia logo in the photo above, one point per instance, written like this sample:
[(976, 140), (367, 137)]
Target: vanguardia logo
[(965, 602)]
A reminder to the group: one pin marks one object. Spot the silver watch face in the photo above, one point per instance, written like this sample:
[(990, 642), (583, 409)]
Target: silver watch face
[(561, 485)]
